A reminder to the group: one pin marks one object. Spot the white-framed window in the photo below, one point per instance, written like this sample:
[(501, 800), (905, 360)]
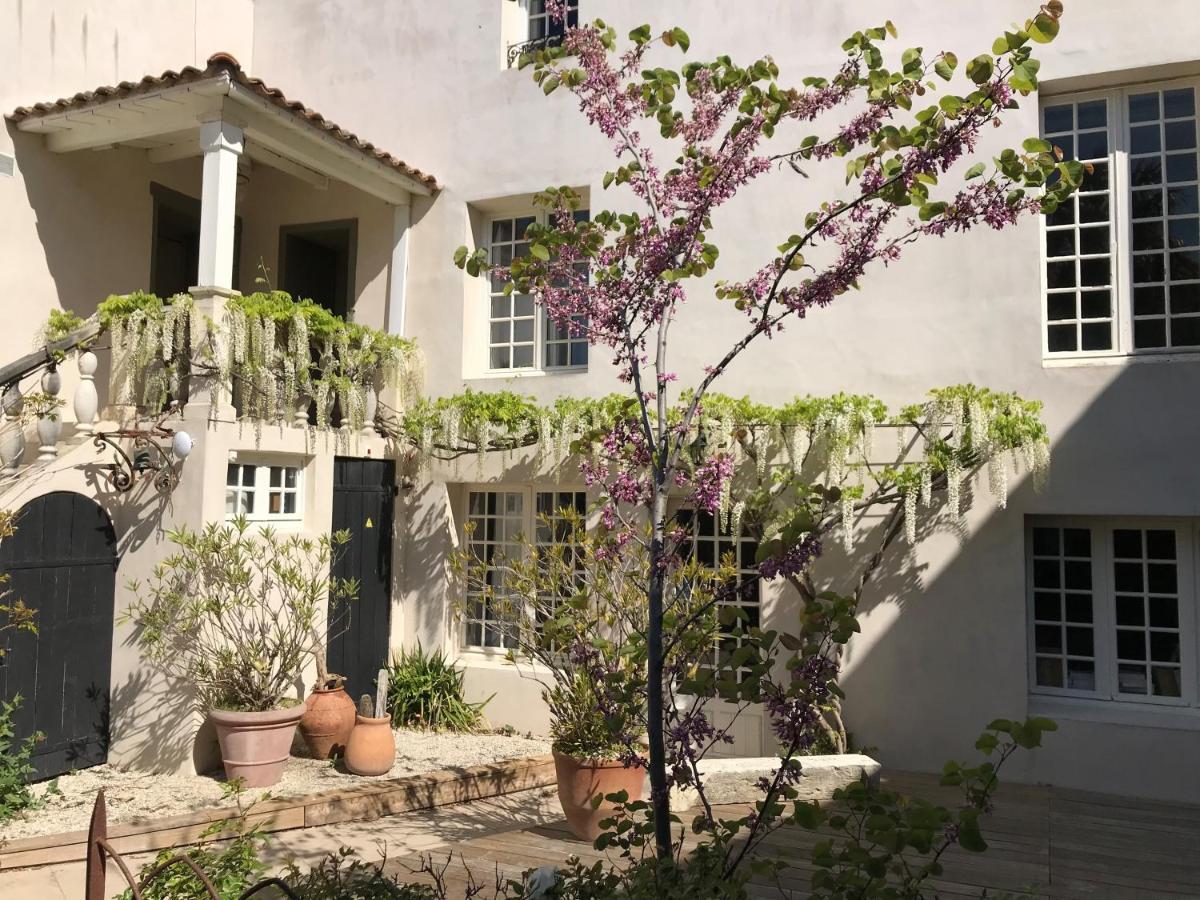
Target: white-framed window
[(498, 519), (520, 335), (1112, 609), (1121, 259), (265, 489), (712, 543), (543, 28)]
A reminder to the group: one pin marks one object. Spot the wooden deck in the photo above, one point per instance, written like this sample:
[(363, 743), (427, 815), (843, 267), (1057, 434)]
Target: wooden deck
[(1043, 842)]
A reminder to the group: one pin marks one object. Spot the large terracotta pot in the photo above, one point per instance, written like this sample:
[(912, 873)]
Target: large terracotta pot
[(255, 745), (580, 780), (371, 749), (327, 721)]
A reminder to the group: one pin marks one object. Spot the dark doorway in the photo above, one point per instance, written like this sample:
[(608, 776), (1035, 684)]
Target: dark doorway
[(175, 250), (364, 498), (317, 262), (62, 562)]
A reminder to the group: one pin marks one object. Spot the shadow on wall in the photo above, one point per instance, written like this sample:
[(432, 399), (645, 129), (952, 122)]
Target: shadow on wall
[(944, 646), (94, 218)]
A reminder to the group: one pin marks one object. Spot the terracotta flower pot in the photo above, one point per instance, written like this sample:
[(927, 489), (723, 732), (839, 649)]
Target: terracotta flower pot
[(327, 721), (371, 749), (580, 780), (255, 745)]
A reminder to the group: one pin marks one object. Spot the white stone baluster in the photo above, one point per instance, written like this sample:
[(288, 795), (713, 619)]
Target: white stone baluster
[(49, 426), (370, 409), (12, 432), (87, 402)]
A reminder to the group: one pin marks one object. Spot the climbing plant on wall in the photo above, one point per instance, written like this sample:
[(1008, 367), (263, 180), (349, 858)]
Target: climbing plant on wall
[(278, 354)]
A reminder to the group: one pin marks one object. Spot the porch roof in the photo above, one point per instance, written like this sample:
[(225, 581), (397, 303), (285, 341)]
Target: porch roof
[(163, 114)]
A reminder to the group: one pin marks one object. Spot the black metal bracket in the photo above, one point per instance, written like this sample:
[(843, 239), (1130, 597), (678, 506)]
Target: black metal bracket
[(148, 456)]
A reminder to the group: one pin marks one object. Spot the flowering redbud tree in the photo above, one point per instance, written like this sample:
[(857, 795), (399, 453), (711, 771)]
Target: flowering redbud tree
[(623, 279)]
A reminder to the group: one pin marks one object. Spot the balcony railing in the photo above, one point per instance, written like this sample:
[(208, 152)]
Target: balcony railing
[(541, 43)]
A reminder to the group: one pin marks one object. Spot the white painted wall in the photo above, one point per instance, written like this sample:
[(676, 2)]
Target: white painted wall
[(943, 648)]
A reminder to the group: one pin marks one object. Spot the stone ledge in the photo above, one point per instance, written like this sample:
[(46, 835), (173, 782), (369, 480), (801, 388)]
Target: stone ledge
[(363, 802), (734, 779)]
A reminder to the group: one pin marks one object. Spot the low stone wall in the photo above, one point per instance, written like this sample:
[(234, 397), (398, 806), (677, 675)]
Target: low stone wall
[(735, 780), (371, 800)]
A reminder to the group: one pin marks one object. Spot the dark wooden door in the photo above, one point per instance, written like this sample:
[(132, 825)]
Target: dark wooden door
[(364, 497), (62, 562)]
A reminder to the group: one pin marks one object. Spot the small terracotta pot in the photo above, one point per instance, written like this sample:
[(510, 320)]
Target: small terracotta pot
[(580, 780), (255, 745), (327, 721), (371, 749)]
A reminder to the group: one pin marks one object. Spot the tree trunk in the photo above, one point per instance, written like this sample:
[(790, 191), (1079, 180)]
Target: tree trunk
[(660, 799)]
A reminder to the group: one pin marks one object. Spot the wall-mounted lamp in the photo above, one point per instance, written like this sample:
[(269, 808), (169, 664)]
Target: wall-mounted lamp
[(150, 458)]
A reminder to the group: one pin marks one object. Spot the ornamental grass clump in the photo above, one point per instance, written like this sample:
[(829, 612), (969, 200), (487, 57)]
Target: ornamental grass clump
[(426, 691), (236, 611)]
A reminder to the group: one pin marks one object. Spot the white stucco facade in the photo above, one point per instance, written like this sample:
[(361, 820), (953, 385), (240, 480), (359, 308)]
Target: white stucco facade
[(945, 640)]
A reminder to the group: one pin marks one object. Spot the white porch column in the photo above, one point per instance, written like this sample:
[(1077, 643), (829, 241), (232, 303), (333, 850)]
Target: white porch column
[(397, 284), (221, 143)]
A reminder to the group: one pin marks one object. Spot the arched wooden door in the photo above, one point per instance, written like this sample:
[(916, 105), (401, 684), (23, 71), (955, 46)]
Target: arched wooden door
[(62, 562)]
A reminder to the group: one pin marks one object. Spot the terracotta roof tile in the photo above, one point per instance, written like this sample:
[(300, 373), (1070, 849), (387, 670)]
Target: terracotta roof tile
[(220, 63)]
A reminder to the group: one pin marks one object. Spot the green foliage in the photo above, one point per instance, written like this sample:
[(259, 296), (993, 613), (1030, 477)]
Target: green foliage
[(426, 691), (41, 405), (59, 324), (14, 614), (342, 875), (886, 845), (16, 769), (273, 348), (230, 855), (578, 727), (235, 611)]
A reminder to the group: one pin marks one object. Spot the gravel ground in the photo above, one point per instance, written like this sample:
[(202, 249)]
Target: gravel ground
[(136, 795)]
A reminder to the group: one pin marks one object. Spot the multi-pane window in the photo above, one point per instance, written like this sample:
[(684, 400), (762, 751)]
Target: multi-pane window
[(521, 336), (239, 489), (512, 335), (267, 491), (1146, 586), (1079, 285), (713, 544), (1166, 218), (544, 28), (1122, 257), (1111, 610), (498, 521), (497, 525)]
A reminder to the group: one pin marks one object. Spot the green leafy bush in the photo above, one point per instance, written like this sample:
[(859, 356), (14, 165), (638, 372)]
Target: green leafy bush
[(232, 867), (427, 692), (341, 875), (15, 767)]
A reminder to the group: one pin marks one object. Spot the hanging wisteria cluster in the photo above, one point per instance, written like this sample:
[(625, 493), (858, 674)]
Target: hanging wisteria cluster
[(278, 355), (831, 441)]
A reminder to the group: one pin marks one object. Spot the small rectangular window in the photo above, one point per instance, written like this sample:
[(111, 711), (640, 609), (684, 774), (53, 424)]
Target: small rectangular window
[(545, 29), (520, 335), (1111, 610), (264, 491)]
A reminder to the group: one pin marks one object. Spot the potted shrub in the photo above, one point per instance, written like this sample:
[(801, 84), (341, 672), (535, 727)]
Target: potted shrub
[(589, 761), (234, 612), (569, 604)]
